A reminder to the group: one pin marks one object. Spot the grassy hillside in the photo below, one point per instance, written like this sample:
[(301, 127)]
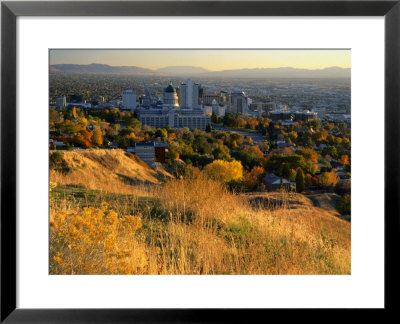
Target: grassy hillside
[(110, 170), (192, 225)]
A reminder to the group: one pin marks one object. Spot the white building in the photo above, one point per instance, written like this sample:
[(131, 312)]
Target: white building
[(61, 102), (208, 110), (170, 97), (175, 118), (239, 102), (189, 95), (129, 99), (221, 111)]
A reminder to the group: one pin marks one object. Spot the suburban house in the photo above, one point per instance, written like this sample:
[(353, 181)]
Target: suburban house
[(273, 182)]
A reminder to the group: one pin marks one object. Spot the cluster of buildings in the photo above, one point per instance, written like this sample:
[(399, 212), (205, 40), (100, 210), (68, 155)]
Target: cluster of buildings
[(189, 105), (176, 111)]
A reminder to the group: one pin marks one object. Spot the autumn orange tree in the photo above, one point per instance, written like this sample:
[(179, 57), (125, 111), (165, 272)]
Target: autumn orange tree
[(253, 178), (344, 159), (328, 179), (309, 154)]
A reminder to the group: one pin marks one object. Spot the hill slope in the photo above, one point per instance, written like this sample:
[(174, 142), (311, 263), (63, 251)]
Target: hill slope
[(110, 170), (191, 225)]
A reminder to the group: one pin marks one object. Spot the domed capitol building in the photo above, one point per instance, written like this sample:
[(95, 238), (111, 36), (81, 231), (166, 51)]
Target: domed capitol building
[(170, 97), (172, 113)]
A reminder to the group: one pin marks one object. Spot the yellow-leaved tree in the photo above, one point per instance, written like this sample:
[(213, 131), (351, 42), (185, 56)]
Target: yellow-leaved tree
[(97, 137), (224, 171)]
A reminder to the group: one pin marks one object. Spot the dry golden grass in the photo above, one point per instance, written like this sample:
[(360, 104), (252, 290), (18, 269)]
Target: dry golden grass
[(198, 227), (189, 226), (108, 170)]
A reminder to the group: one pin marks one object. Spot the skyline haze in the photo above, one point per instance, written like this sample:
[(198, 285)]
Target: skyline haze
[(213, 60)]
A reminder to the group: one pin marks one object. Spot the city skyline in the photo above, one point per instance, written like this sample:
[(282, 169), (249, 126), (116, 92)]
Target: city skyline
[(212, 60)]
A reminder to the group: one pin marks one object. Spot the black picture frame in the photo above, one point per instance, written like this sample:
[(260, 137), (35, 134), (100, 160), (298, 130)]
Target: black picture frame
[(10, 10)]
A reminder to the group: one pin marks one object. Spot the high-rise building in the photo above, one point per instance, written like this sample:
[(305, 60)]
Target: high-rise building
[(239, 102), (129, 99), (189, 96), (61, 102), (221, 97)]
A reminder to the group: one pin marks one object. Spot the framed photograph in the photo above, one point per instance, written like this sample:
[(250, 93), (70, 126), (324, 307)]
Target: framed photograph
[(190, 161)]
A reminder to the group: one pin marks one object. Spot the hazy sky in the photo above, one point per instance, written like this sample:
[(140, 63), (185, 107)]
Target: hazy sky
[(214, 60)]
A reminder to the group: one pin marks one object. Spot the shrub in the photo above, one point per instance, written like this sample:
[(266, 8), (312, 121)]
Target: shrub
[(92, 241), (343, 188), (55, 159), (58, 163), (344, 205)]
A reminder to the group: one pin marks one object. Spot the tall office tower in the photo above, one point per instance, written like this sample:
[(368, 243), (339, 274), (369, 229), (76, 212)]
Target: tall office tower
[(61, 102), (129, 99), (170, 97), (189, 95), (239, 102)]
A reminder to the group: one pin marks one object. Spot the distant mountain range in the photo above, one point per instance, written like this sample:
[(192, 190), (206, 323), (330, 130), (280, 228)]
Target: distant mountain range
[(98, 68), (182, 70), (193, 71)]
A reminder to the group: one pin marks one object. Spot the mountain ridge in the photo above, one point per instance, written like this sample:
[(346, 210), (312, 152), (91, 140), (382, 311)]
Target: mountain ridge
[(194, 71)]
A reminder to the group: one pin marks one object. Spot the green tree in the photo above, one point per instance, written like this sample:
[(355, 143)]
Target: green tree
[(161, 132), (285, 170), (300, 180)]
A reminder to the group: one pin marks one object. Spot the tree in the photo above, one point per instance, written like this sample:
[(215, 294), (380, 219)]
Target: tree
[(221, 152), (85, 134), (285, 170), (330, 150), (264, 146), (224, 171), (300, 180), (328, 179), (172, 154), (344, 159), (97, 137), (208, 128), (73, 112), (133, 122), (315, 123), (161, 132), (308, 180), (344, 205), (253, 178), (309, 154)]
